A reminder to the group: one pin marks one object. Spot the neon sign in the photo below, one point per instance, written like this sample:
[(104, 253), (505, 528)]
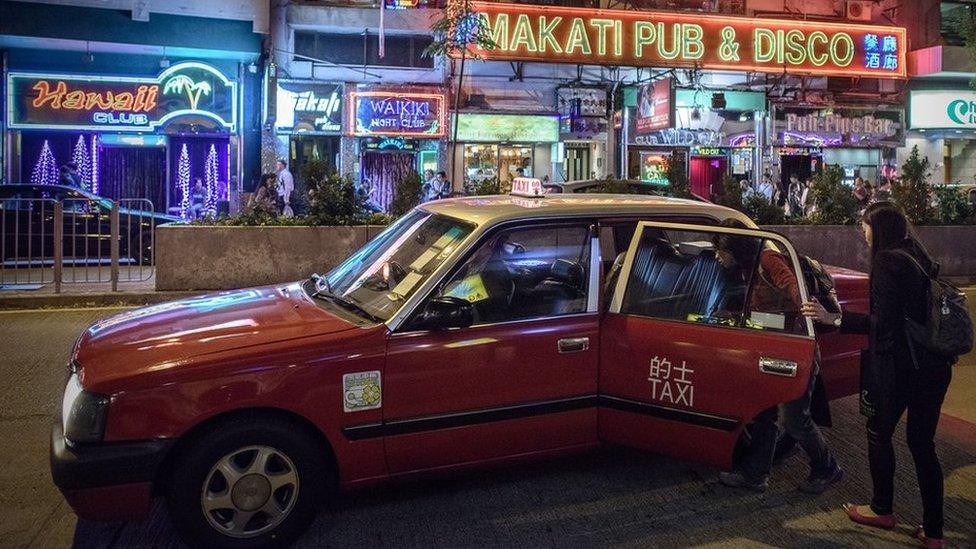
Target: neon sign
[(645, 38), (838, 126), (307, 107), (89, 102), (381, 113)]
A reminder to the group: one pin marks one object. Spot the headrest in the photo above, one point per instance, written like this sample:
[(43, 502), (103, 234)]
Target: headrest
[(567, 272), (512, 249), (695, 248)]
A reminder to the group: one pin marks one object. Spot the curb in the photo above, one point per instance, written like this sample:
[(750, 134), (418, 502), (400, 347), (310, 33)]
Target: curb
[(74, 301)]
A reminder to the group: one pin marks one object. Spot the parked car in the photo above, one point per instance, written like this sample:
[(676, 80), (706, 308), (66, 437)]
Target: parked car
[(471, 332), (634, 186), (28, 227)]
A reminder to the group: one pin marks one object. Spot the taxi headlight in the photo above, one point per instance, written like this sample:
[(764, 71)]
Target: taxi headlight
[(82, 413)]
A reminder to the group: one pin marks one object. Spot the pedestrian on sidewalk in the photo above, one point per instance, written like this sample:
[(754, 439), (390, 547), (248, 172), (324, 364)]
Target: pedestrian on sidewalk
[(776, 289), (896, 375)]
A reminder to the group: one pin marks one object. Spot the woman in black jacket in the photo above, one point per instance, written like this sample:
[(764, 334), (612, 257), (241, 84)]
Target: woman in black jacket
[(898, 375)]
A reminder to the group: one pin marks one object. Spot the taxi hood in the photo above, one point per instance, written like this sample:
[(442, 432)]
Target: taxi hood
[(168, 334)]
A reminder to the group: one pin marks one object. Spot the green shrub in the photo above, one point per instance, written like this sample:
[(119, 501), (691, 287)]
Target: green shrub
[(311, 172), (732, 197), (678, 176), (406, 194), (912, 192), (834, 202), (486, 187), (762, 211), (333, 200), (952, 208)]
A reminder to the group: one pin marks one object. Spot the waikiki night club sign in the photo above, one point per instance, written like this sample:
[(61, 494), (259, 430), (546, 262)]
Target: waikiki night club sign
[(89, 102), (658, 39), (388, 113)]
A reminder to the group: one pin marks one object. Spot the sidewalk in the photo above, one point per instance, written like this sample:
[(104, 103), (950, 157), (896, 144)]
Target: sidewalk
[(84, 294)]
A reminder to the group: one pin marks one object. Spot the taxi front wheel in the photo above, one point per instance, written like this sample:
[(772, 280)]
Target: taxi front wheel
[(246, 484)]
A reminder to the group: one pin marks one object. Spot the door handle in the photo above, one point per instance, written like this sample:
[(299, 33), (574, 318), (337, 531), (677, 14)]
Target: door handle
[(777, 367), (573, 344)]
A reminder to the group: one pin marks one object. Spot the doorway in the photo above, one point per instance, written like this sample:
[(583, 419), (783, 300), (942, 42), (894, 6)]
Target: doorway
[(800, 165), (384, 170), (313, 147), (707, 173), (577, 163)]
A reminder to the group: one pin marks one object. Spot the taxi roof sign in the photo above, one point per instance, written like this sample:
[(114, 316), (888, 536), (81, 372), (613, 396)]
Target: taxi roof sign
[(527, 186)]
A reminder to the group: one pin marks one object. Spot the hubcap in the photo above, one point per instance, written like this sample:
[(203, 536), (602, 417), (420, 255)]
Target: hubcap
[(249, 491)]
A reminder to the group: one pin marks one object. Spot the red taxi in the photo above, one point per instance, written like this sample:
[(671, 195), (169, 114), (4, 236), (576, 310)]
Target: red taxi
[(471, 332)]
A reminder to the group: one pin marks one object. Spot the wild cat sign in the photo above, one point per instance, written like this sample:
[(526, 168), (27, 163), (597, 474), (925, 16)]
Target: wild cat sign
[(121, 103), (665, 39)]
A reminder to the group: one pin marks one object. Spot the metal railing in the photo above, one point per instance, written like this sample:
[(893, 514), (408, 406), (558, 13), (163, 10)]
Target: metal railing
[(76, 240)]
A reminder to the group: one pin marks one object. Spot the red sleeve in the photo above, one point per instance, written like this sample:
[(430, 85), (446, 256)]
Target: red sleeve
[(780, 273)]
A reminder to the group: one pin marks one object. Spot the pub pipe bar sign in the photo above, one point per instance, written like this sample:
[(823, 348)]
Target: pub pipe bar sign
[(120, 103), (655, 39)]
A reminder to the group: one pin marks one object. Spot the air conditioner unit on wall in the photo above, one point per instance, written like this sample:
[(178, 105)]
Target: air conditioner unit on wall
[(859, 10)]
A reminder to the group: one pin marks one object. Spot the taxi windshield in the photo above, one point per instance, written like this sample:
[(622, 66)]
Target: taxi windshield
[(383, 274)]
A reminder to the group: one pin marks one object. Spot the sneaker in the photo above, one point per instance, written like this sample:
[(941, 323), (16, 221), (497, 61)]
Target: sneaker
[(819, 484), (736, 479)]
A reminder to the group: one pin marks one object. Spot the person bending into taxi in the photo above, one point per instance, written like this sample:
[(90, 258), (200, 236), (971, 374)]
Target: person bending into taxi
[(776, 289), (896, 375)]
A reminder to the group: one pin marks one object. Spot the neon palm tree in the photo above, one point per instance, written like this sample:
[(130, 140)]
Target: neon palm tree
[(184, 84)]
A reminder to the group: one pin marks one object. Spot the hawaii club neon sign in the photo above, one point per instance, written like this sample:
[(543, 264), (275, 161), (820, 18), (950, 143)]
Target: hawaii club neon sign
[(86, 102), (645, 38)]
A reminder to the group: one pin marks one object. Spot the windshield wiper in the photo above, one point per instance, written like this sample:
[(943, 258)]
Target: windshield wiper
[(321, 283), (324, 291)]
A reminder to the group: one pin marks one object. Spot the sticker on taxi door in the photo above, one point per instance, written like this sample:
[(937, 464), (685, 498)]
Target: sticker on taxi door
[(362, 391)]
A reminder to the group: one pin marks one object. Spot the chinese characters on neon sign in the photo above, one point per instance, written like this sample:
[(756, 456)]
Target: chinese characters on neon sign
[(641, 38)]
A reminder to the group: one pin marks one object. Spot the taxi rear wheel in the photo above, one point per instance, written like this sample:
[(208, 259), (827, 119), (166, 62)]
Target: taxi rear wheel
[(246, 484)]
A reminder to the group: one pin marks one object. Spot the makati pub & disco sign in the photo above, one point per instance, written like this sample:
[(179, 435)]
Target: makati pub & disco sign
[(657, 39), (384, 113), (117, 103)]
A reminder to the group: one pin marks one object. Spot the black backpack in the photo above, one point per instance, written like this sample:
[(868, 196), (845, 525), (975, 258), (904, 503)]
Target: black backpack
[(947, 331)]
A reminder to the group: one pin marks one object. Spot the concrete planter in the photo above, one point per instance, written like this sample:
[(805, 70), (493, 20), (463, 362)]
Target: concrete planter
[(193, 257), (953, 247)]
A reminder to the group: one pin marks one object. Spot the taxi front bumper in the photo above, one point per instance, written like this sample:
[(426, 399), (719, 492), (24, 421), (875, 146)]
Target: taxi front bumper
[(106, 481)]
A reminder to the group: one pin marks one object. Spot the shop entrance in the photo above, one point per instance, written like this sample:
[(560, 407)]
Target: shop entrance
[(384, 170), (207, 159), (707, 173), (304, 148), (133, 172), (800, 165), (577, 163)]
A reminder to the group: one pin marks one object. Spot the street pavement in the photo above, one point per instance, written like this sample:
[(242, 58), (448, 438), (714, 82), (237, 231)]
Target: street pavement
[(613, 497)]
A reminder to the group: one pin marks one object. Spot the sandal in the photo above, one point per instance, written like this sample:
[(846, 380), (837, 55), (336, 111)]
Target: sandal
[(882, 521)]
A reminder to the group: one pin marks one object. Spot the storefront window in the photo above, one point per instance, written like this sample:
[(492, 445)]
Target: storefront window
[(480, 165), (511, 160)]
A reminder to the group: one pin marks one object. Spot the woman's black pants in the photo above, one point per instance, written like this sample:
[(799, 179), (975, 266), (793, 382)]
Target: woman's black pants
[(921, 392)]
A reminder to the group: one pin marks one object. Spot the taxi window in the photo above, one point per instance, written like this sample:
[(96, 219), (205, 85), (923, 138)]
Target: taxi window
[(713, 278), (524, 273)]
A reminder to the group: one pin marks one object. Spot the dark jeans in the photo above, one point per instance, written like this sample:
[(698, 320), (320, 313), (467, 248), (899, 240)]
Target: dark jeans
[(921, 392), (757, 460)]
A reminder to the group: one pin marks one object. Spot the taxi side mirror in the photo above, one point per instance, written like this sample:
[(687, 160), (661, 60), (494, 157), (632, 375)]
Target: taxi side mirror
[(445, 312)]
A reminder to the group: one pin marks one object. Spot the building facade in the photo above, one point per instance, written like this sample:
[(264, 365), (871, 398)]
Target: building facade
[(140, 97), (732, 88)]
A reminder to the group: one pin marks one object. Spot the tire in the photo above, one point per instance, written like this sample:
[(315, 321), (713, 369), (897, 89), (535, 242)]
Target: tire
[(223, 467)]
